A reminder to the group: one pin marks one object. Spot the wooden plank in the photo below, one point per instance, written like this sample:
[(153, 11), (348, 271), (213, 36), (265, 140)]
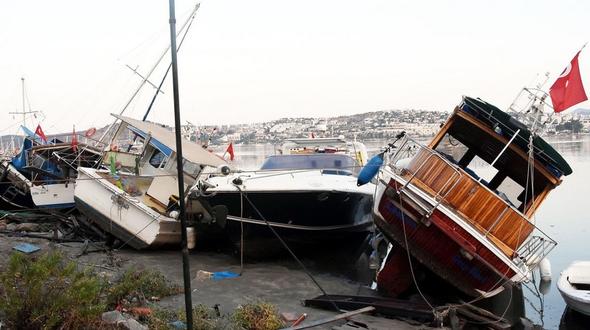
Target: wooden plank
[(332, 318)]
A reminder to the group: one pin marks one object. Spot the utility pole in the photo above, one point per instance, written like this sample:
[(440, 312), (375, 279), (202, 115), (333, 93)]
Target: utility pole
[(179, 166)]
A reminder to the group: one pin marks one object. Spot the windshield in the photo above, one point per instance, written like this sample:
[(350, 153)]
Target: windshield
[(338, 164)]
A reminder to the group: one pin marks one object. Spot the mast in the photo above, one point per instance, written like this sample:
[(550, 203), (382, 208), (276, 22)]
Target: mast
[(145, 80), (24, 112)]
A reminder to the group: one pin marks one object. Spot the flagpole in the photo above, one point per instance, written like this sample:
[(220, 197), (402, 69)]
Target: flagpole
[(179, 166)]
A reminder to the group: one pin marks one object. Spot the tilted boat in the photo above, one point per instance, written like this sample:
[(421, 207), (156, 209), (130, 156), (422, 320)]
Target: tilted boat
[(462, 205), (136, 199), (308, 193), (42, 174), (574, 286)]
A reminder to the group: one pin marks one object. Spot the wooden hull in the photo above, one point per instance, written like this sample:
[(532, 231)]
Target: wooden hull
[(442, 245)]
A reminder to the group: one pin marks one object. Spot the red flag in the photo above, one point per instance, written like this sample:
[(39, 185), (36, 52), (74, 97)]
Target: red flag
[(40, 133), (74, 140), (568, 90), (230, 151)]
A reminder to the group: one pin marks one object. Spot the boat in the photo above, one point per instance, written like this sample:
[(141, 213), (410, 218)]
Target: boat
[(135, 199), (462, 204), (574, 286), (307, 193), (42, 174)]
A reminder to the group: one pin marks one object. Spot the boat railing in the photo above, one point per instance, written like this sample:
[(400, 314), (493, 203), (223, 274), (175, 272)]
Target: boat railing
[(490, 215), (408, 150)]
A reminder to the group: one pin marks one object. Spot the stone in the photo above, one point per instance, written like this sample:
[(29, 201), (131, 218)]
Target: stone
[(113, 317), (132, 324)]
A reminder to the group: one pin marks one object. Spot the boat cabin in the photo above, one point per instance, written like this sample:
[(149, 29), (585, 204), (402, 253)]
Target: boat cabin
[(482, 165), (143, 154), (329, 163)]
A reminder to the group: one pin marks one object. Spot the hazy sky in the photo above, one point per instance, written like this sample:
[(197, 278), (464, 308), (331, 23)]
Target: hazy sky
[(257, 60)]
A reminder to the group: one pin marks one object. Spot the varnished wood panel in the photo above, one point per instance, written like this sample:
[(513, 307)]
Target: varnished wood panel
[(486, 211)]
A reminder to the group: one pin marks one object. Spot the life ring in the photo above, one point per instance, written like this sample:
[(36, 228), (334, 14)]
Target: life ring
[(90, 132)]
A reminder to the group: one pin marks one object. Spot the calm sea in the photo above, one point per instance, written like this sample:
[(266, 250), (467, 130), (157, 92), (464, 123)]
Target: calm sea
[(562, 216)]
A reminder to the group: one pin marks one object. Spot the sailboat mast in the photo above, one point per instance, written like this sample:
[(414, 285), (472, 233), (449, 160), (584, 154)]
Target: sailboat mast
[(23, 92)]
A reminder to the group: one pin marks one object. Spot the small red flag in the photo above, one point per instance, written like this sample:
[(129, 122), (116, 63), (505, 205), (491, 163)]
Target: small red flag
[(74, 140), (40, 133), (568, 90), (230, 151)]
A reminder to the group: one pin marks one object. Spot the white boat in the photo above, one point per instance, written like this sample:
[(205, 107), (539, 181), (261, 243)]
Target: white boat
[(574, 286), (308, 193), (135, 200)]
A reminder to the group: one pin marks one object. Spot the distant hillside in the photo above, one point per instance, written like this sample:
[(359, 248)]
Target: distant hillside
[(581, 111)]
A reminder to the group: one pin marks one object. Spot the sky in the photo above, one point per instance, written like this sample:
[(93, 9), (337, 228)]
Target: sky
[(259, 60)]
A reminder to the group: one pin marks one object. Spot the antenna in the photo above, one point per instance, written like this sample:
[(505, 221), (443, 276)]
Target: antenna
[(24, 112)]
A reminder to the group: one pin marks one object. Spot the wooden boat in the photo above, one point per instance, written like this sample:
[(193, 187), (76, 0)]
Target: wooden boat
[(574, 286), (135, 200), (469, 223)]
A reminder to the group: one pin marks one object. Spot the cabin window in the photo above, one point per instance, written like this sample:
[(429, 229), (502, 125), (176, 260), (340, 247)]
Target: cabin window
[(480, 170), (509, 190), (158, 159), (191, 168), (451, 148)]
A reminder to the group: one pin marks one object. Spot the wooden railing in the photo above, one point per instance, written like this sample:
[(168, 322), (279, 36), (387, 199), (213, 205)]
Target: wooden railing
[(454, 188)]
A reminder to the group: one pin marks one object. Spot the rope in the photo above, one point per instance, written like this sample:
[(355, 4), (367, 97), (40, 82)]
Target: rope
[(307, 272)]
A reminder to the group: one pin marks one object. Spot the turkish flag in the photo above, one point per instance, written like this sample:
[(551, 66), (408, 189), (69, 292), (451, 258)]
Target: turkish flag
[(40, 133), (568, 90), (230, 151)]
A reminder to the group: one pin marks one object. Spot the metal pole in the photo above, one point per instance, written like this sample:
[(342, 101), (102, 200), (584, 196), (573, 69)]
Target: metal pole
[(185, 260)]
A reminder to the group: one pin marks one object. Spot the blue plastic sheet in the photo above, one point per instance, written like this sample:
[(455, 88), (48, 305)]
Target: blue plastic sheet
[(223, 275), (26, 248)]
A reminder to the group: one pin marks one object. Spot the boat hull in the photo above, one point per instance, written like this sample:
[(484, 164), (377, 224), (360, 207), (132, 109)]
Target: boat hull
[(440, 244), (577, 298), (59, 195), (307, 217), (122, 215)]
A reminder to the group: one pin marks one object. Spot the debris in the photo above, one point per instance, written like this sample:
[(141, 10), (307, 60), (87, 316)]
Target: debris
[(27, 226), (223, 275), (289, 316), (385, 306), (332, 318), (132, 324), (204, 275), (299, 320), (178, 325), (113, 317), (216, 276), (26, 248), (140, 311)]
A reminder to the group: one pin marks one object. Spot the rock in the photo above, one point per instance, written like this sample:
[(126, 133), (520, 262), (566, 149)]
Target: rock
[(2, 226), (11, 226), (113, 317), (132, 324)]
